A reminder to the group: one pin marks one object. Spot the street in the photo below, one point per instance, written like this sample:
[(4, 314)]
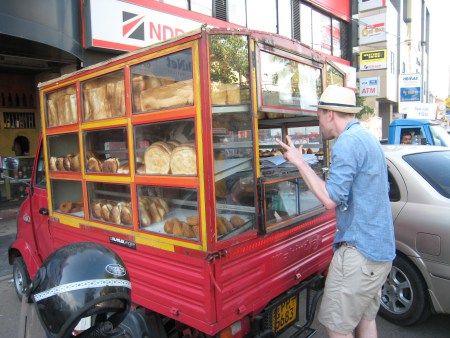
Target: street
[(435, 327)]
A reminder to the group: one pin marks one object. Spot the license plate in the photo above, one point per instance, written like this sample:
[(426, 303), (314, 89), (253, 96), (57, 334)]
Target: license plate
[(285, 314)]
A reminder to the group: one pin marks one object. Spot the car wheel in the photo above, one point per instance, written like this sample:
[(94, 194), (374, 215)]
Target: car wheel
[(404, 299), (20, 276)]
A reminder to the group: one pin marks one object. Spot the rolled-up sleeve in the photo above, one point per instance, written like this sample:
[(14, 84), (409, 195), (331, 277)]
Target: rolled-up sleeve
[(343, 169)]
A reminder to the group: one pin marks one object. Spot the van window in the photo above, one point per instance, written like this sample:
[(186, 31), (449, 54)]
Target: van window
[(40, 179)]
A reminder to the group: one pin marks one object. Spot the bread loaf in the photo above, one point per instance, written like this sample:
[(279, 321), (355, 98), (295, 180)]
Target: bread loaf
[(125, 214), (143, 216), (75, 162), (53, 164), (111, 165), (60, 164), (97, 210), (93, 165), (114, 215), (176, 94), (66, 162), (106, 212), (157, 159), (52, 113), (183, 160), (98, 103)]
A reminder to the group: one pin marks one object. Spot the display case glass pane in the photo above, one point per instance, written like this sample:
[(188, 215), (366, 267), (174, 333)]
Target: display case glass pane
[(104, 97), (169, 211), (166, 148), (309, 137), (106, 151), (67, 197), (268, 145), (164, 82), (64, 152), (290, 84), (62, 107), (110, 203), (287, 199), (234, 174), (334, 77), (229, 69)]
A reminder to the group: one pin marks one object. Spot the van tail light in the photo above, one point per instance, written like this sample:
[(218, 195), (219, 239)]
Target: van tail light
[(236, 330)]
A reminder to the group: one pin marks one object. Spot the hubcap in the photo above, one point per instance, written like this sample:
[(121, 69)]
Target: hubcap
[(18, 280), (397, 294)]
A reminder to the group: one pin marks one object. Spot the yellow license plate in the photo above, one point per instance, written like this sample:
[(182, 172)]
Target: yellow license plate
[(285, 314)]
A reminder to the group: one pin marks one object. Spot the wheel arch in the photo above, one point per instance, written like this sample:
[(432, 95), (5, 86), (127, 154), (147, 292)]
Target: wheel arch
[(20, 248)]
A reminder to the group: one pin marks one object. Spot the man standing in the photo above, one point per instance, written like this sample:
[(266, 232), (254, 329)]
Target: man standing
[(357, 187)]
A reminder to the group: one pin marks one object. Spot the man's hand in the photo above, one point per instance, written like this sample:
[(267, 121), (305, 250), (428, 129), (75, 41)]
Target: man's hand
[(292, 153)]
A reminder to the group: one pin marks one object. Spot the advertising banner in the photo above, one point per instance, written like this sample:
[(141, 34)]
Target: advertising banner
[(372, 29), (369, 86), (417, 110), (365, 5), (375, 59), (410, 87)]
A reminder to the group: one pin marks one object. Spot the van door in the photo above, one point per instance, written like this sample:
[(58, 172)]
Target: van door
[(39, 207)]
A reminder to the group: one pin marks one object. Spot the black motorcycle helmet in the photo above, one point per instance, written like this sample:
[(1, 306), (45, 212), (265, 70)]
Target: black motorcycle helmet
[(77, 281)]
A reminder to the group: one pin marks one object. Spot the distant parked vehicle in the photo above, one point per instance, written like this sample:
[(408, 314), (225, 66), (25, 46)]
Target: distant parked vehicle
[(422, 131), (419, 282)]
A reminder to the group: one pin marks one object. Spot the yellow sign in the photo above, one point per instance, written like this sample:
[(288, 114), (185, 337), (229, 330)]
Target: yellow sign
[(447, 102), (374, 59)]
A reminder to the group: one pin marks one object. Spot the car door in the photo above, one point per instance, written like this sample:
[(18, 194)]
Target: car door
[(39, 207), (398, 194)]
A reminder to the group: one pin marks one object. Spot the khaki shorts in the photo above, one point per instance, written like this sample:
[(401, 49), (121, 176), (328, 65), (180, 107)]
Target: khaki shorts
[(352, 290)]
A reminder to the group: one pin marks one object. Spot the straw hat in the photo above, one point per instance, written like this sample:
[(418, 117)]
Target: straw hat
[(340, 99)]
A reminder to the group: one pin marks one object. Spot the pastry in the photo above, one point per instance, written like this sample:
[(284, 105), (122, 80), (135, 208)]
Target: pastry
[(123, 169), (60, 164), (192, 220), (75, 162), (93, 165), (65, 206), (111, 165), (237, 221), (157, 158), (106, 212), (125, 214), (97, 210), (183, 160), (114, 215), (175, 94), (53, 164)]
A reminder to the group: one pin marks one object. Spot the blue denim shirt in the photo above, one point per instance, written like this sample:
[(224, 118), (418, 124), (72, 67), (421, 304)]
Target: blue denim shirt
[(358, 184)]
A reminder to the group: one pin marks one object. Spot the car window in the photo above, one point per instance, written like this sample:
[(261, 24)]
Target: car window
[(394, 191), (40, 171), (440, 136), (433, 167)]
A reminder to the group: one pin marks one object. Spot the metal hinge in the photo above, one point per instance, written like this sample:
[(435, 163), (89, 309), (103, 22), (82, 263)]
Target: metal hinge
[(216, 255)]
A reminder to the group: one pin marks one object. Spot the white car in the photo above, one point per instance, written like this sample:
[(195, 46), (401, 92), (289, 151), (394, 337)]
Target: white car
[(419, 282)]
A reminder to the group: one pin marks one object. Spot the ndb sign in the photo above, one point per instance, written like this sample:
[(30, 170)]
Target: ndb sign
[(375, 59), (369, 86), (410, 87)]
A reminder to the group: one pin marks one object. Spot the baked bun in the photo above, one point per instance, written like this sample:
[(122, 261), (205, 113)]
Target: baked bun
[(237, 221), (106, 212), (76, 207), (75, 162), (114, 215), (125, 214), (183, 160), (53, 164), (66, 162), (168, 226), (111, 165), (177, 227), (192, 220), (93, 165), (157, 158), (145, 220), (187, 230), (65, 206), (60, 164), (97, 210), (196, 230), (221, 227)]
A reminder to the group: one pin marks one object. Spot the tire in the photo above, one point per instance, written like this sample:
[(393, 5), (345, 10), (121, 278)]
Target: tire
[(404, 298), (20, 276)]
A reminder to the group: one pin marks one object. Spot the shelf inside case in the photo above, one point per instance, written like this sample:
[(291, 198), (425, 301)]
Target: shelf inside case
[(67, 197)]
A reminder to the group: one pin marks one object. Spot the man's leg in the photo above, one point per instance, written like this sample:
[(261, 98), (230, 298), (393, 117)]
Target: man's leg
[(333, 334), (366, 329)]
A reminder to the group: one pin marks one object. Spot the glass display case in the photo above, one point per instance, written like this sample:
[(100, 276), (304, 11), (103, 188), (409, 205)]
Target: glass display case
[(110, 203), (64, 152), (106, 151), (169, 211), (61, 108), (67, 197), (104, 97), (166, 148), (163, 82)]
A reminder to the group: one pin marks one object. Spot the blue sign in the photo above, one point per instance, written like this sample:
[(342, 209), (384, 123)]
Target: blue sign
[(409, 94)]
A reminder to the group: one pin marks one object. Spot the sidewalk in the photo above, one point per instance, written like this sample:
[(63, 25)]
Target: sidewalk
[(9, 210)]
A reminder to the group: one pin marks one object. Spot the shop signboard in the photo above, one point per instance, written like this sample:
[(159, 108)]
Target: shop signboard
[(410, 87), (374, 59), (365, 5), (369, 86), (372, 29), (418, 110)]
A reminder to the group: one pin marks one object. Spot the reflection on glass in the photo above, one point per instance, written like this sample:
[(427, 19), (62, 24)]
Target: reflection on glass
[(104, 97), (288, 83), (164, 82), (106, 151), (62, 107), (67, 197), (233, 165), (334, 77), (229, 69), (110, 203), (166, 148), (169, 211), (336, 36), (64, 152), (288, 199), (309, 137)]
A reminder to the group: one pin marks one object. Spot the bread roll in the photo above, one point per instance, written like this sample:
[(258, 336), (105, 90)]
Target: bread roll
[(111, 165), (93, 165), (126, 215), (157, 159), (140, 168), (192, 220), (168, 226), (65, 206), (97, 210), (183, 160), (76, 207), (221, 227), (75, 163), (237, 221), (187, 230), (60, 164), (53, 164), (196, 230), (66, 162), (143, 215), (114, 215), (177, 227), (106, 212), (153, 212)]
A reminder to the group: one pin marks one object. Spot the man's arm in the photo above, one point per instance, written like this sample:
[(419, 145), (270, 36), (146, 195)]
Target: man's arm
[(314, 182)]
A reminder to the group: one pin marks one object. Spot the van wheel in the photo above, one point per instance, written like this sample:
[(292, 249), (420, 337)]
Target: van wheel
[(20, 276), (404, 299)]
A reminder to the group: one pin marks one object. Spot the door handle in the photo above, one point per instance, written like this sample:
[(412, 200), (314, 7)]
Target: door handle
[(43, 211)]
